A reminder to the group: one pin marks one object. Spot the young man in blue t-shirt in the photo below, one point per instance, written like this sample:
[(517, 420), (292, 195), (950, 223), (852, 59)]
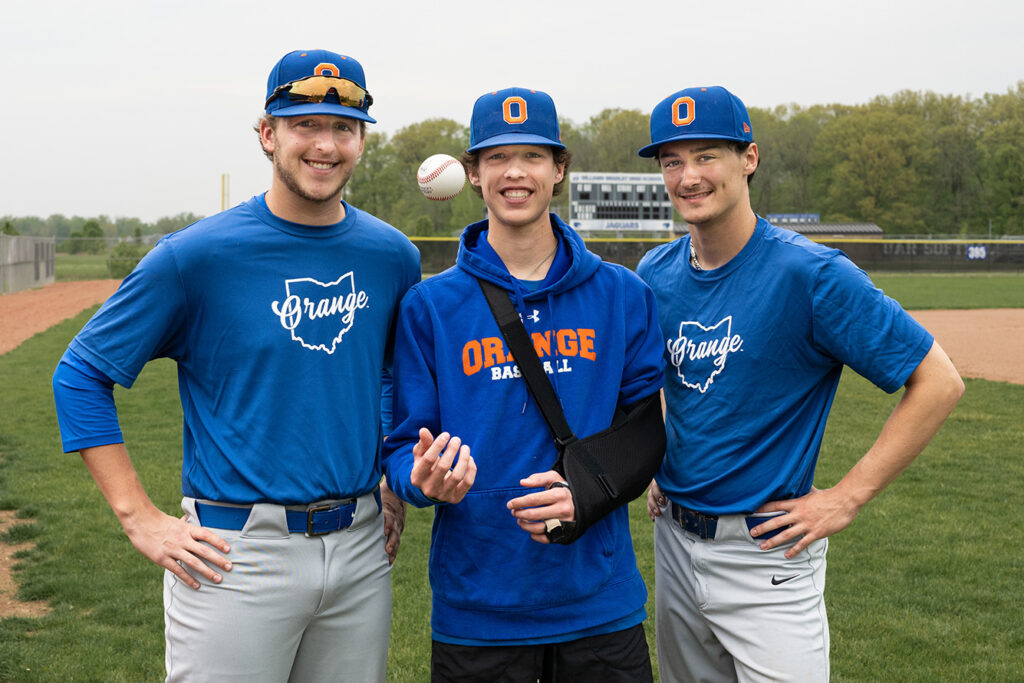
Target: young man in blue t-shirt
[(470, 439), (279, 314), (758, 323)]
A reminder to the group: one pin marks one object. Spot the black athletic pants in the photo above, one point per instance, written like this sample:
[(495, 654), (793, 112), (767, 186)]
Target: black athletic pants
[(620, 657)]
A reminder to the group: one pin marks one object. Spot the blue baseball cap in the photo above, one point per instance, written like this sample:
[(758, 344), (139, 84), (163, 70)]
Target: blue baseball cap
[(711, 113), (318, 82), (514, 116)]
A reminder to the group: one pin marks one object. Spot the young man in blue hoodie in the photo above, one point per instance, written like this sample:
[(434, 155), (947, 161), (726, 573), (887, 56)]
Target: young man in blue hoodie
[(470, 439)]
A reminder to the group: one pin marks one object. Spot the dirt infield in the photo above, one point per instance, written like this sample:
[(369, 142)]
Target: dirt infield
[(982, 343), (26, 313)]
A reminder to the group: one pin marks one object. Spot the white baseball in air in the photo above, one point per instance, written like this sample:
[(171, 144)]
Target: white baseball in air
[(441, 177)]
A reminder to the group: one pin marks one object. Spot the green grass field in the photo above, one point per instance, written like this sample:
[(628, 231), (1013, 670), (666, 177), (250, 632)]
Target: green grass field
[(926, 584), (916, 291), (81, 266)]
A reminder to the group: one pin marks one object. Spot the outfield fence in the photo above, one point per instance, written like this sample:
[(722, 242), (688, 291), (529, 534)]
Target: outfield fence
[(26, 262), (929, 255)]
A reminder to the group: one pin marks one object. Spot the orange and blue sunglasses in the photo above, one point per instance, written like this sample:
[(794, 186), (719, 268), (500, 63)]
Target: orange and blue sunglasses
[(317, 88)]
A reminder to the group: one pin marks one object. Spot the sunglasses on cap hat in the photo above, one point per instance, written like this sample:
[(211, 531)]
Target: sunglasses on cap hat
[(315, 89)]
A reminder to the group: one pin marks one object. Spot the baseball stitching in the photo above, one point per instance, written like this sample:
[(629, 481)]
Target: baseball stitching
[(436, 172), (433, 174)]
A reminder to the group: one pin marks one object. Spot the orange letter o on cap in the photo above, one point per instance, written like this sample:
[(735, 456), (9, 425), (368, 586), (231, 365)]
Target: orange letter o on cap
[(506, 109), (326, 69), (682, 120)]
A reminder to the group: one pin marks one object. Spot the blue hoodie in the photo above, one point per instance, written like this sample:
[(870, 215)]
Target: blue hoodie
[(594, 325)]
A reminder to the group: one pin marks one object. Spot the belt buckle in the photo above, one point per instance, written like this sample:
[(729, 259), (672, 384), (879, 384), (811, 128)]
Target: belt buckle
[(309, 520)]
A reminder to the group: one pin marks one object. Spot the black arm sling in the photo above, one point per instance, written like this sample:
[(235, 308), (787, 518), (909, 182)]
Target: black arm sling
[(605, 470)]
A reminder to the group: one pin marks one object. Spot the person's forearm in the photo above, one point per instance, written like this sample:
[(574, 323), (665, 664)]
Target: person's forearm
[(168, 541), (931, 394), (115, 476)]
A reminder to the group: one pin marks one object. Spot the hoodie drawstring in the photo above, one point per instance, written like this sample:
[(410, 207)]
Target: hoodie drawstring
[(531, 319), (524, 316)]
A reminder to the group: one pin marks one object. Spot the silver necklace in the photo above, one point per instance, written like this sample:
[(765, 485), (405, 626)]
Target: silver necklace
[(693, 258), (537, 267)]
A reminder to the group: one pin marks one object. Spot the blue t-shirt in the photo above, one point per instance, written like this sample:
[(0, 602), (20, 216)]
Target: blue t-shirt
[(754, 353), (280, 332)]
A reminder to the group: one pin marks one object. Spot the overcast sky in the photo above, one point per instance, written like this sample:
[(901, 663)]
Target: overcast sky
[(137, 108)]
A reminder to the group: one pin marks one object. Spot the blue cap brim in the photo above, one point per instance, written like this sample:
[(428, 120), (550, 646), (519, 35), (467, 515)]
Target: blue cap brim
[(515, 139), (327, 108), (651, 151)]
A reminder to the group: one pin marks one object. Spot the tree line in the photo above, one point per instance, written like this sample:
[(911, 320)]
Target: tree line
[(75, 232), (915, 163)]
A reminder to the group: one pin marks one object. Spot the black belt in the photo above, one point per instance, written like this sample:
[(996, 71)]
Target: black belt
[(705, 526), (314, 520), (695, 522)]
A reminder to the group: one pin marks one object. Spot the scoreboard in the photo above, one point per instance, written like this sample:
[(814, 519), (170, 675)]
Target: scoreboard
[(619, 201)]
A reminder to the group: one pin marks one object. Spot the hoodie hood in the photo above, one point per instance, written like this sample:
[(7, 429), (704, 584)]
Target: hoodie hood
[(572, 266)]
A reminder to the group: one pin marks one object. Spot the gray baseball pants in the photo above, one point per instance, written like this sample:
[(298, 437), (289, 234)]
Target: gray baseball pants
[(725, 610), (293, 608)]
